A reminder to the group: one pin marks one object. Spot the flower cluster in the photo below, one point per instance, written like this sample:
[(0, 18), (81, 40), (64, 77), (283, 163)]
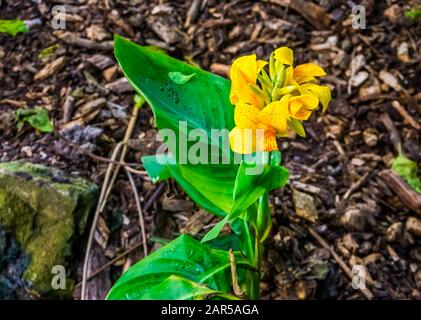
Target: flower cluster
[(272, 102)]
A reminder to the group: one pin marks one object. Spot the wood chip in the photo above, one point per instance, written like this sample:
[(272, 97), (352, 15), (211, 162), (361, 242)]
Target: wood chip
[(197, 222), (50, 69), (413, 225), (310, 11), (100, 61), (390, 80), (110, 73), (177, 205), (406, 116), (97, 33), (119, 86)]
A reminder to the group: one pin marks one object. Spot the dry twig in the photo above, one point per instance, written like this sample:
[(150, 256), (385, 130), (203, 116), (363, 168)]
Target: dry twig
[(367, 293), (139, 209)]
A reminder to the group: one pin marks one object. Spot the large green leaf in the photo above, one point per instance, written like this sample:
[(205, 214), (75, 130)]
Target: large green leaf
[(178, 288), (177, 92), (203, 101), (184, 257), (210, 186)]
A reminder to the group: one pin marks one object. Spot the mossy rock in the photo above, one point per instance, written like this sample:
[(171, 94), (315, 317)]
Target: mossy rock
[(46, 211)]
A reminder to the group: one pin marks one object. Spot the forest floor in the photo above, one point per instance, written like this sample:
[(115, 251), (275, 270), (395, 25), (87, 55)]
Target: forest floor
[(336, 195)]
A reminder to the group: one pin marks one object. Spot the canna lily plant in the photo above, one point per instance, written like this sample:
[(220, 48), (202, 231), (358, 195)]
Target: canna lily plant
[(260, 103)]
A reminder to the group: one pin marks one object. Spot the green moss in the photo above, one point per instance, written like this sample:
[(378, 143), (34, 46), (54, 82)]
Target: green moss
[(45, 215)]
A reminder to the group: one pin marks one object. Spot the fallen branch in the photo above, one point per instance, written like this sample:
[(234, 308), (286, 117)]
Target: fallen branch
[(99, 158), (407, 196), (95, 221), (75, 40), (139, 210)]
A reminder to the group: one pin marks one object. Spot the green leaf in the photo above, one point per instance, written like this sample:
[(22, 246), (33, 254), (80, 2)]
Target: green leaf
[(210, 186), (179, 78), (297, 126), (203, 102), (413, 14), (250, 187), (214, 232), (408, 170), (46, 52), (178, 288), (183, 257), (13, 27), (263, 219), (38, 118)]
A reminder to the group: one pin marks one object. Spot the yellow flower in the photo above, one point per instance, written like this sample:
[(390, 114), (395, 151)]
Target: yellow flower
[(243, 73), (267, 104), (249, 134)]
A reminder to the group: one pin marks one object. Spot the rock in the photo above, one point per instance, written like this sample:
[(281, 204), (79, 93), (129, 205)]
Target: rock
[(304, 206), (13, 262), (177, 205), (50, 69), (353, 219), (413, 226), (45, 211), (394, 232)]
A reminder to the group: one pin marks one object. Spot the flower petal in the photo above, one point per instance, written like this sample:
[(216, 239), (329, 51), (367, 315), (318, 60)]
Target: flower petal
[(284, 55), (289, 77), (302, 114), (305, 72), (287, 89), (260, 65), (276, 114), (245, 115), (243, 72), (270, 143), (310, 101), (321, 92), (246, 140)]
